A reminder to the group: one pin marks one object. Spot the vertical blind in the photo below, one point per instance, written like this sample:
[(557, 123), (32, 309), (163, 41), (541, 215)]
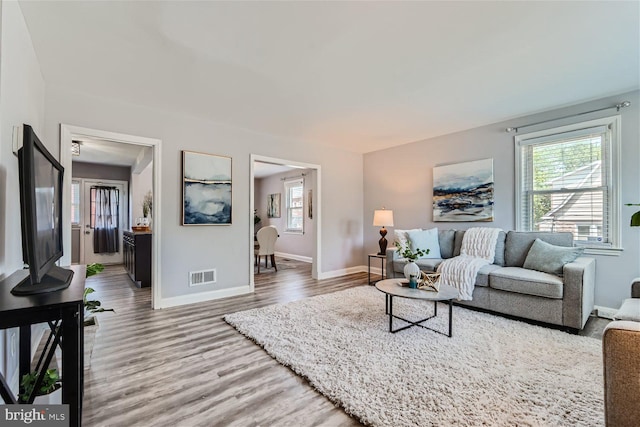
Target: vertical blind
[(565, 184)]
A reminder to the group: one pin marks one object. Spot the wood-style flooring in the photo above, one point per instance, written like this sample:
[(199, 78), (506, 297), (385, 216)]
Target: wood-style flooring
[(185, 366)]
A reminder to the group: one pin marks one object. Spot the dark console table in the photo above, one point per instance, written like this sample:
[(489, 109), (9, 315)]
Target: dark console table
[(64, 307), (137, 257)]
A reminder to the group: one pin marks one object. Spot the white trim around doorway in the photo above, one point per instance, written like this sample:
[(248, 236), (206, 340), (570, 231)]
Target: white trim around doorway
[(317, 212), (67, 134)]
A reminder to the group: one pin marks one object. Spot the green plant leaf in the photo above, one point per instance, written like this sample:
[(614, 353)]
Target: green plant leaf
[(93, 269), (50, 383)]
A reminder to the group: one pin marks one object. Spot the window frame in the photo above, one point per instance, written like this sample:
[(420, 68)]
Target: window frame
[(613, 170), (288, 186), (79, 205)]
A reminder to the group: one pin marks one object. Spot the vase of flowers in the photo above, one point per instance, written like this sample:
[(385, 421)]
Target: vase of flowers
[(411, 270)]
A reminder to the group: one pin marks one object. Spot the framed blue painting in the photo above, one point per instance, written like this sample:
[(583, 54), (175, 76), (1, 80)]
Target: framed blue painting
[(463, 192), (206, 189)]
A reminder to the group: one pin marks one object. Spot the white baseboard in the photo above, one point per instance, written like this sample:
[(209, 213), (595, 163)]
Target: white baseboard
[(296, 257), (342, 272), (203, 296), (605, 312)]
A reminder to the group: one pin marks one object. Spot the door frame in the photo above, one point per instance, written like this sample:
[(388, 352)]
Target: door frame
[(70, 132), (317, 211), (124, 212)]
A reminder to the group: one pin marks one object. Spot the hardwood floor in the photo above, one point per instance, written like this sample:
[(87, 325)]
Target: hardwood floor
[(185, 366)]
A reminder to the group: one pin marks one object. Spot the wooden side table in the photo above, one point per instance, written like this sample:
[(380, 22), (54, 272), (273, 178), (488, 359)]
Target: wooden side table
[(381, 257)]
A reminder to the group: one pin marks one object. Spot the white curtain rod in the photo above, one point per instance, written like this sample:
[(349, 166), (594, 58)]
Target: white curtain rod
[(293, 177), (622, 104)]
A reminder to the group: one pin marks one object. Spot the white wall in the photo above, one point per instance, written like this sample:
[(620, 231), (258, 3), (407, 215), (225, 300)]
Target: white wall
[(400, 178), (225, 248), (141, 184), (287, 243), (21, 101)]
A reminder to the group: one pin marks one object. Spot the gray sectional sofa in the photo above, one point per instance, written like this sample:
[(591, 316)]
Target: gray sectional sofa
[(508, 288)]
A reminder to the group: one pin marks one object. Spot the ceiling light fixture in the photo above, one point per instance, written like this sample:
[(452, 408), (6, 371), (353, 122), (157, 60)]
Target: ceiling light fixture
[(75, 148)]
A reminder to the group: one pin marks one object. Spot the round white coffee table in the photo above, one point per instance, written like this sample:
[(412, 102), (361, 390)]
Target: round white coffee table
[(400, 288)]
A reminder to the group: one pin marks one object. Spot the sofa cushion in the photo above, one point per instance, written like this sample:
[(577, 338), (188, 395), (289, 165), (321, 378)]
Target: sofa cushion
[(425, 239), (499, 257), (429, 264), (482, 279), (447, 241), (426, 264), (523, 281), (400, 236), (550, 258), (630, 310), (518, 243)]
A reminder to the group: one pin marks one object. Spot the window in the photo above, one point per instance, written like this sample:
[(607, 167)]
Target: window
[(75, 202), (294, 191), (567, 181)]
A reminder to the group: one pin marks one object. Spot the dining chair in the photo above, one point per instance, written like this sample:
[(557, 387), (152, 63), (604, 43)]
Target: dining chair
[(267, 237)]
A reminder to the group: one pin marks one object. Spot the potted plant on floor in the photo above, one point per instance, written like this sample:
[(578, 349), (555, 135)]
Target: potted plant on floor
[(92, 306), (411, 270), (49, 391)]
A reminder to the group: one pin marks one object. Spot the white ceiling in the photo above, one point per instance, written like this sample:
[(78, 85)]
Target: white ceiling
[(109, 153), (358, 75), (263, 170)]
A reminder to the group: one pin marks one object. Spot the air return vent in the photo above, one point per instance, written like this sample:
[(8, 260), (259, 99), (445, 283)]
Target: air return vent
[(203, 277)]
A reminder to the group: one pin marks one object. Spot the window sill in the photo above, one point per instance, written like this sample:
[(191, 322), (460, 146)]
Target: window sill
[(300, 233), (603, 251)]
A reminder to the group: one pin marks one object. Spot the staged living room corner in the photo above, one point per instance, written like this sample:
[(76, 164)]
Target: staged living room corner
[(320, 213)]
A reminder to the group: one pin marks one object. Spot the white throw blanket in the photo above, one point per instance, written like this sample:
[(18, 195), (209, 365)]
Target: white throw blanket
[(478, 249)]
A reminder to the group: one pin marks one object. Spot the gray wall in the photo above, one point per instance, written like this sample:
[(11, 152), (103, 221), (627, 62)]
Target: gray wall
[(295, 244), (193, 248), (98, 171), (400, 179), (22, 93)]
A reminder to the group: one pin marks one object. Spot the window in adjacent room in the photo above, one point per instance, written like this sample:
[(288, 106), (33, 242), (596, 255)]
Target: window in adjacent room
[(75, 202), (567, 180), (294, 191)]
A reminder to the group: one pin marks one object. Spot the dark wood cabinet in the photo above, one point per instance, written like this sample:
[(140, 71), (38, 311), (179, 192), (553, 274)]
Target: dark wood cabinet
[(137, 257)]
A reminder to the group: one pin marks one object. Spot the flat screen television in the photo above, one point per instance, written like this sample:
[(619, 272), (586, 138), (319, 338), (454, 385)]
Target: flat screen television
[(41, 210)]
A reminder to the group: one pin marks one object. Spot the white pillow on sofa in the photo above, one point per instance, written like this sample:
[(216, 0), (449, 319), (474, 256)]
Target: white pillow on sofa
[(425, 239), (401, 236)]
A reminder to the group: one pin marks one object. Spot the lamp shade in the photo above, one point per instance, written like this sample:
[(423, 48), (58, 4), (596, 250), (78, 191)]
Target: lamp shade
[(382, 218)]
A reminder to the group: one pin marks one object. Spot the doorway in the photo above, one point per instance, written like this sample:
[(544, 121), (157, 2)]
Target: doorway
[(289, 170), (103, 195), (69, 134)]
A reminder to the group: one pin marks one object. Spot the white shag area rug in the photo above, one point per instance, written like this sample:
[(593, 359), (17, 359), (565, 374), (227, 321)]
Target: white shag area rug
[(493, 371)]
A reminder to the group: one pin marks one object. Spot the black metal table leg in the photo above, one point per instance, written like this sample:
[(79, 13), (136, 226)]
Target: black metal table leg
[(450, 318), (390, 313)]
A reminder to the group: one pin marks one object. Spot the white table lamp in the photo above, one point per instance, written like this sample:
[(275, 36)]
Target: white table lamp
[(382, 218)]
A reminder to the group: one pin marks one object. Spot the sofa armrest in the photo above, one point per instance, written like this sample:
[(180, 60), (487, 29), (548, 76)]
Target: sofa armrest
[(392, 255), (620, 343), (579, 291), (635, 288)]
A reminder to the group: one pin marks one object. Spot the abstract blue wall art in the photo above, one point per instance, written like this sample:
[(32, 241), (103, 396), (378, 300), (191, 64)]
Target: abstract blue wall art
[(206, 189), (463, 192)]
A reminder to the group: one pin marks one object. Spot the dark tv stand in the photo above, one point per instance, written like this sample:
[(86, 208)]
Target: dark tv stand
[(66, 305), (55, 280)]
